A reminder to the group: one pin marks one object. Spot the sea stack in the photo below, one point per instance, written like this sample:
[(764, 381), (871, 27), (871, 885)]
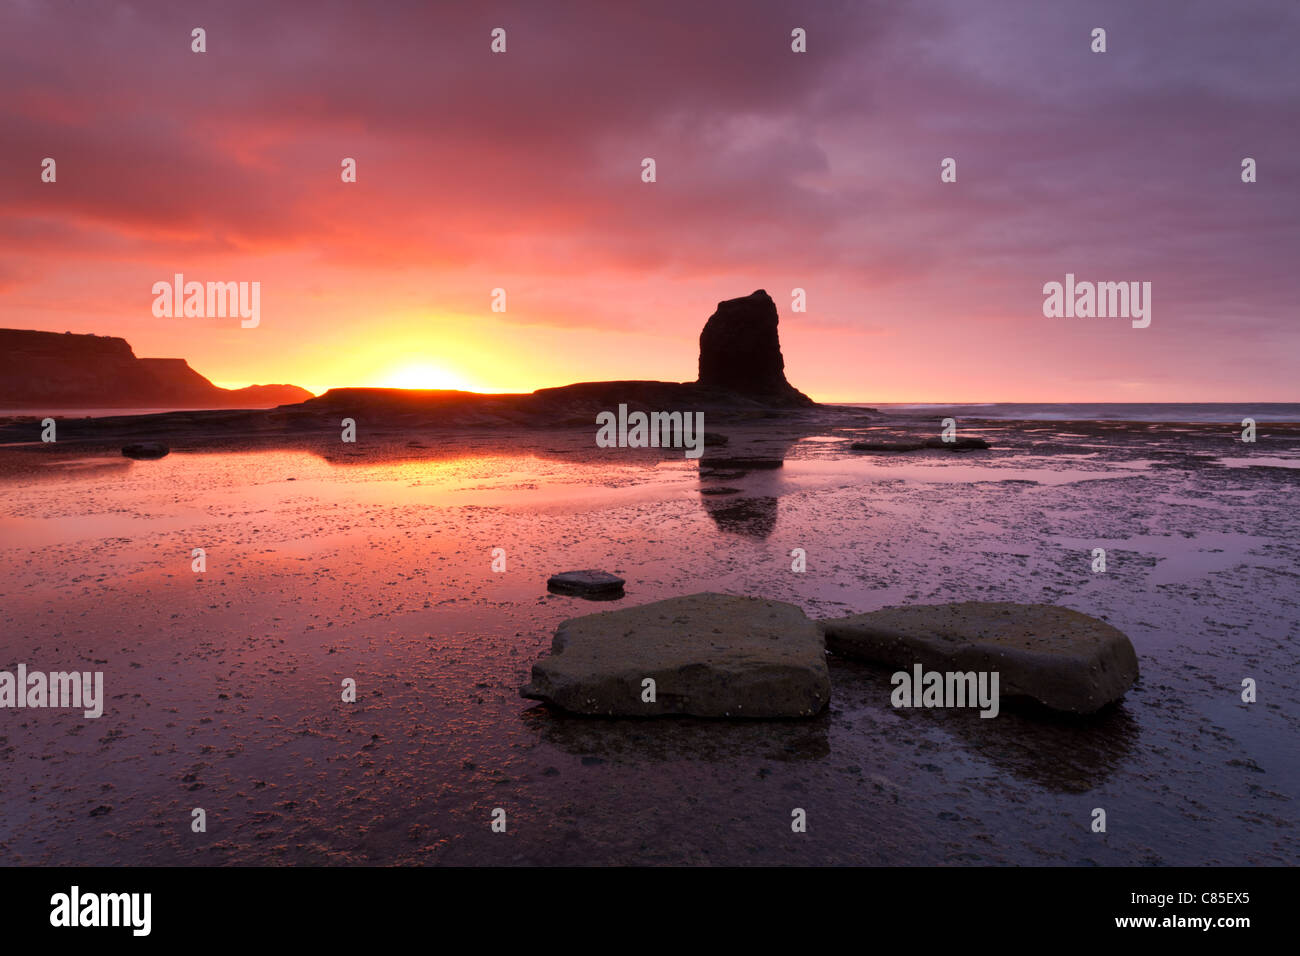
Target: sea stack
[(741, 352)]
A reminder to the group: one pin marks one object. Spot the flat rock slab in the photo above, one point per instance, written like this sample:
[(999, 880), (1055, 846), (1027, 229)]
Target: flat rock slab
[(590, 584), (957, 444), (145, 449), (710, 655), (741, 464), (1061, 658)]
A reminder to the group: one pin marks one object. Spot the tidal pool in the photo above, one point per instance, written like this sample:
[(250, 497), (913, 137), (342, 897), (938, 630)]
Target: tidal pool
[(224, 687)]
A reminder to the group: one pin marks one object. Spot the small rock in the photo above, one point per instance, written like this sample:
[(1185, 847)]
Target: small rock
[(957, 444), (145, 449), (887, 446), (588, 584)]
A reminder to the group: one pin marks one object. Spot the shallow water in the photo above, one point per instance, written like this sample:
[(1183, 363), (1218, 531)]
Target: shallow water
[(375, 564)]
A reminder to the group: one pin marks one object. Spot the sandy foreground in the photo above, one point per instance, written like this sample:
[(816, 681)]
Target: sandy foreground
[(374, 562)]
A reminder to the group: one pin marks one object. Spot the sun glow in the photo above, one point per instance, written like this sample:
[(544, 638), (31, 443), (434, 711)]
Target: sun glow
[(425, 375)]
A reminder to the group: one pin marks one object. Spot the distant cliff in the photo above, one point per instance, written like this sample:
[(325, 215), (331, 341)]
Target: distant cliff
[(741, 379), (41, 370)]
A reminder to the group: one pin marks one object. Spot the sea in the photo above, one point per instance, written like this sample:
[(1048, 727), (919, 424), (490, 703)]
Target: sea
[(1103, 411), (1004, 411)]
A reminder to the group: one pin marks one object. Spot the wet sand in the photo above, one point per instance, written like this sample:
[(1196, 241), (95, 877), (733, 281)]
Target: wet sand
[(327, 561)]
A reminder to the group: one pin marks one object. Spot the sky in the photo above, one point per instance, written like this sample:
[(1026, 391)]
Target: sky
[(774, 169)]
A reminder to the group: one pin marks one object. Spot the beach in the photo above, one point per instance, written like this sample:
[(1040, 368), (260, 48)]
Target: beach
[(373, 562)]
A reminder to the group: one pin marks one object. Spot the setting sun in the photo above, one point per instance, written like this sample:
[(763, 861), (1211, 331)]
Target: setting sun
[(425, 375)]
